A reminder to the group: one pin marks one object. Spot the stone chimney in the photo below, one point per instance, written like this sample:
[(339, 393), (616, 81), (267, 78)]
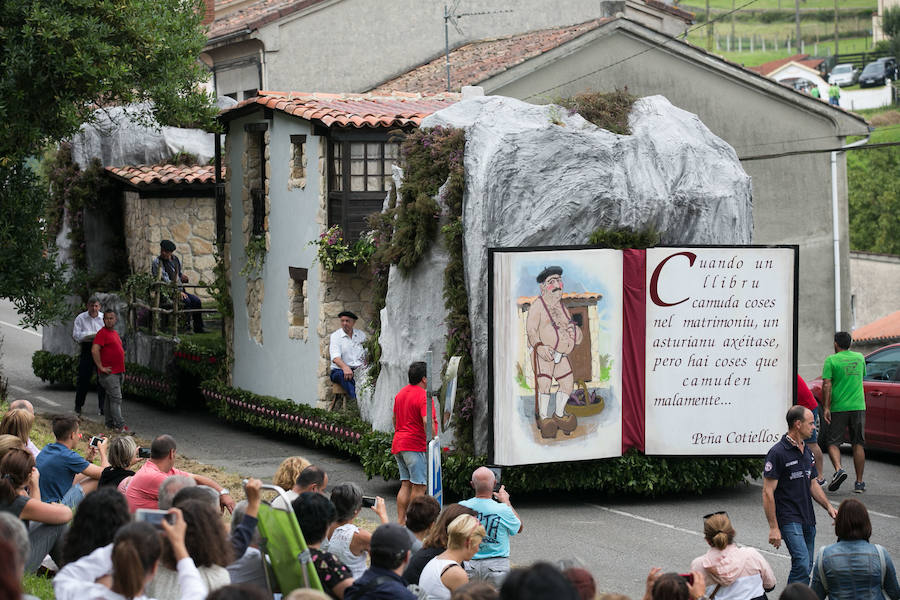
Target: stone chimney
[(209, 11)]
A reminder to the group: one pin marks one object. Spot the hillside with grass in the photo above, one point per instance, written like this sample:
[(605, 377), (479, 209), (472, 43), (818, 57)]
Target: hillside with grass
[(752, 32)]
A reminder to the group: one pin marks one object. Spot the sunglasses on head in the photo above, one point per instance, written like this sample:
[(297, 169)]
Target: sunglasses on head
[(721, 512)]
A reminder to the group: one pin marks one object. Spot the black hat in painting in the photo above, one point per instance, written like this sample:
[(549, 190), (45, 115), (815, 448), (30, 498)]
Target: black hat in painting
[(547, 272)]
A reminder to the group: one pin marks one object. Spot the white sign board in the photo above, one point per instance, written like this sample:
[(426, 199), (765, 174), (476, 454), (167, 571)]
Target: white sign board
[(719, 349), (435, 482)]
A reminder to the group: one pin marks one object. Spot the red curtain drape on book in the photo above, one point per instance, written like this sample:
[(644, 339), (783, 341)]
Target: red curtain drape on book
[(634, 275)]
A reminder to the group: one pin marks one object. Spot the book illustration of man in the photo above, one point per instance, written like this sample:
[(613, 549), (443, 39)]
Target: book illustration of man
[(552, 335)]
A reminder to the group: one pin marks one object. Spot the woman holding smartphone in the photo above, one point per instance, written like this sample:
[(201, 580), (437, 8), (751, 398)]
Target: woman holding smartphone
[(122, 569)]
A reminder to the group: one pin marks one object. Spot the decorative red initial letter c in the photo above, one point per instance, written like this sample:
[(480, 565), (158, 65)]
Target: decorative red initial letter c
[(654, 294)]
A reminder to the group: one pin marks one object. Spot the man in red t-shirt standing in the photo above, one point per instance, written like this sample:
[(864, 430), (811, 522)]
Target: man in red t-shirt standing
[(109, 356), (409, 446)]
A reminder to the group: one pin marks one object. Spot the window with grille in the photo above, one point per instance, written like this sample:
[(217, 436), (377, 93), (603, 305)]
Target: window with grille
[(359, 179)]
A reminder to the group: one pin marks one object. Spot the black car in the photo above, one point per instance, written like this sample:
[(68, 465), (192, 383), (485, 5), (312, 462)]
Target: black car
[(875, 73)]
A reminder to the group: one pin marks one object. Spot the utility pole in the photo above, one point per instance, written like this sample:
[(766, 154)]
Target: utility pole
[(732, 18), (836, 35), (797, 21), (709, 29)]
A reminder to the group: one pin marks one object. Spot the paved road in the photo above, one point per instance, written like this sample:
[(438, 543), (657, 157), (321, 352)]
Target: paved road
[(617, 538)]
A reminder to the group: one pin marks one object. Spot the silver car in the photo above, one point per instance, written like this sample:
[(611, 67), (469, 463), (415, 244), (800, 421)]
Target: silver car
[(845, 74)]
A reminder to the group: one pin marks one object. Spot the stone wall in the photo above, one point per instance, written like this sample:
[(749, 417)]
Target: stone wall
[(189, 222), (226, 265), (251, 167)]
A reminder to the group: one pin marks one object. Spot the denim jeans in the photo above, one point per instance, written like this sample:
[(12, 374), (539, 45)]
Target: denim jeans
[(800, 540), (112, 384)]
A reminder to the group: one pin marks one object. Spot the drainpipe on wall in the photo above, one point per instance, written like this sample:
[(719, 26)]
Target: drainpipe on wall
[(835, 227)]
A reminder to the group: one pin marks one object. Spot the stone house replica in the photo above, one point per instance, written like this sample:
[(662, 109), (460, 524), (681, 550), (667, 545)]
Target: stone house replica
[(782, 137), (297, 164), (352, 45), (174, 202)]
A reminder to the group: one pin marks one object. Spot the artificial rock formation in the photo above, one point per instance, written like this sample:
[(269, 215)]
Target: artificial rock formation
[(537, 176)]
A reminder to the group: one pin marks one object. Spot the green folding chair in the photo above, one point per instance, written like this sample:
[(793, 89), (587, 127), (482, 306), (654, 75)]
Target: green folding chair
[(288, 559)]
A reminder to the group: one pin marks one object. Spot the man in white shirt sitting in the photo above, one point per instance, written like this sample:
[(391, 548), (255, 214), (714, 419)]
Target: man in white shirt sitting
[(87, 324), (347, 352)]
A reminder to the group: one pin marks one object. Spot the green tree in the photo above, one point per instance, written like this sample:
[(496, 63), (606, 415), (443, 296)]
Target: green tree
[(874, 193), (61, 60)]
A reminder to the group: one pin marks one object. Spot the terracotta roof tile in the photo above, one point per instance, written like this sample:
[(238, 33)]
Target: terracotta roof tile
[(353, 110), (523, 300), (478, 61), (885, 329), (674, 10), (234, 16), (774, 65), (146, 175)]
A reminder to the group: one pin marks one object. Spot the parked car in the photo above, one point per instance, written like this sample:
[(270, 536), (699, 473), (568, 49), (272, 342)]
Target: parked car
[(875, 73), (844, 74), (891, 64), (882, 389)]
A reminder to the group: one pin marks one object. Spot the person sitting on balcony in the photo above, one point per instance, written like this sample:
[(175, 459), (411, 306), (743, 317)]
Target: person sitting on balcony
[(171, 272)]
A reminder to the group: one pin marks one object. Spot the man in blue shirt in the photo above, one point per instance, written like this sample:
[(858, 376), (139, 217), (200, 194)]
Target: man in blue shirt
[(789, 487), (59, 464), (389, 552), (500, 521)]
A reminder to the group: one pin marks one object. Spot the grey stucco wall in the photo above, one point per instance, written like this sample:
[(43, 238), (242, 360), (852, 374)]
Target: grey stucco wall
[(791, 195), (875, 286), (353, 45), (280, 366)]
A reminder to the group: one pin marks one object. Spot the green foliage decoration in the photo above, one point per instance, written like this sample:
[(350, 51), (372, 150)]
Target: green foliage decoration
[(55, 368), (318, 427), (620, 239), (149, 384), (255, 252), (333, 252), (219, 289), (605, 110), (201, 362)]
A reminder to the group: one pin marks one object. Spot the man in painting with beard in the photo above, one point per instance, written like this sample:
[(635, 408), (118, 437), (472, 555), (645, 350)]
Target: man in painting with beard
[(552, 335)]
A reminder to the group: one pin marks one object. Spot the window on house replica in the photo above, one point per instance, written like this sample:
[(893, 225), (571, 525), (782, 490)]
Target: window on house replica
[(359, 178)]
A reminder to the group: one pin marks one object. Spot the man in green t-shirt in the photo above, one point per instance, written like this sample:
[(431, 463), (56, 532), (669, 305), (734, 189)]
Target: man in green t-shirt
[(844, 408)]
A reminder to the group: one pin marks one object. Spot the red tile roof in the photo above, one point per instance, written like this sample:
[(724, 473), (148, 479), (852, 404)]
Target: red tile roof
[(252, 16), (886, 329), (523, 300), (146, 175), (478, 61), (350, 110), (802, 59)]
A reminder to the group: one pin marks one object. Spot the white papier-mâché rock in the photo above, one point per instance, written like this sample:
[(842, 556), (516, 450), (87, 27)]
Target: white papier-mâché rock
[(538, 176), (118, 140)]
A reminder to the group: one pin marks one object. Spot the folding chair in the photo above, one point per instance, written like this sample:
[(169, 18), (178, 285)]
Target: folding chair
[(284, 547)]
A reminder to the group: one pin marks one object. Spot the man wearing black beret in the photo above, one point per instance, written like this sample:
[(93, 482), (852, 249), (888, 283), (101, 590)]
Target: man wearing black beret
[(552, 335), (347, 352)]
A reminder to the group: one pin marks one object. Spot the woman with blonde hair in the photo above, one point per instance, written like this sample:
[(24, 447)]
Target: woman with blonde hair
[(8, 442), (122, 453), (123, 568), (18, 422), (288, 471), (444, 573), (732, 572)]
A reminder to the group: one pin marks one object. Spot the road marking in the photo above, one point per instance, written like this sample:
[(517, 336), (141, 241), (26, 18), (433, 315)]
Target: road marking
[(47, 401), (622, 513), (836, 504), (31, 331), (21, 390)]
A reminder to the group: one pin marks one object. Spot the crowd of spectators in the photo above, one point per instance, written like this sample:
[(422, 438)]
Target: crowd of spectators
[(92, 528)]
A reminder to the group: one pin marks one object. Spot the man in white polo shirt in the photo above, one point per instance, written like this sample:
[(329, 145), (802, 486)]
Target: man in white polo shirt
[(347, 352)]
